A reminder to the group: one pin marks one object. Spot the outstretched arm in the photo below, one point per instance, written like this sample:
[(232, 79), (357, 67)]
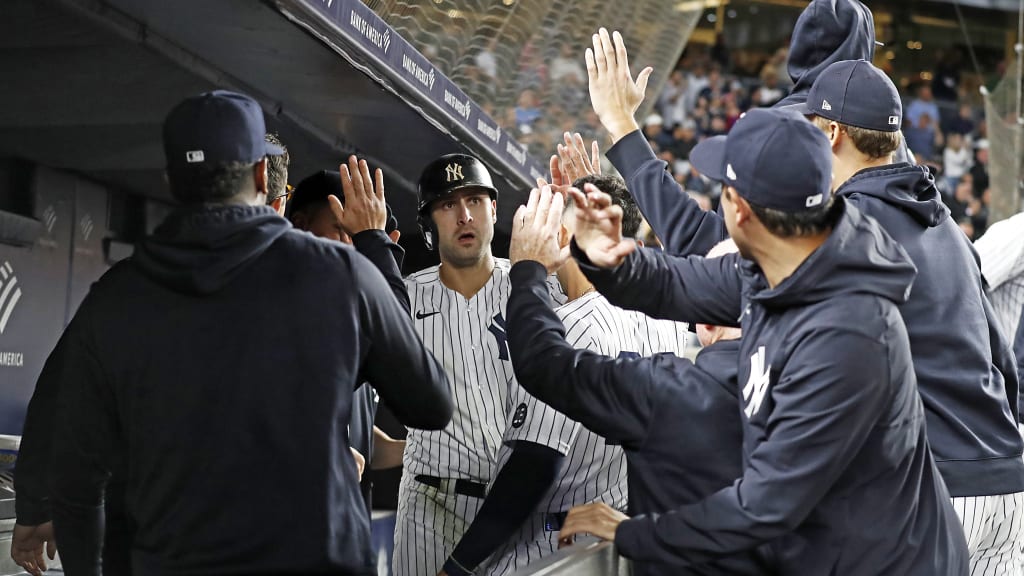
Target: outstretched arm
[(677, 219), (691, 289)]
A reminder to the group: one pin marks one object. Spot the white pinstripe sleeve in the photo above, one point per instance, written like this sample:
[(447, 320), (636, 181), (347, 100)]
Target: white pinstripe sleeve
[(534, 421), (1001, 250)]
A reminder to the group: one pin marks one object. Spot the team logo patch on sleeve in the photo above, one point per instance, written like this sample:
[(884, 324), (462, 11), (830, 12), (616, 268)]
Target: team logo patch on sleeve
[(519, 418)]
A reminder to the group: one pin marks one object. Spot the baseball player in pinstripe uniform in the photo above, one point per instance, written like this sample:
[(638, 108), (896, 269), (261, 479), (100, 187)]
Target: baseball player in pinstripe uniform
[(520, 519), (459, 311)]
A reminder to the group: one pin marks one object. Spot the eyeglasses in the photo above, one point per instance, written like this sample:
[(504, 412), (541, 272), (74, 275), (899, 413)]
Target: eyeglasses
[(288, 191)]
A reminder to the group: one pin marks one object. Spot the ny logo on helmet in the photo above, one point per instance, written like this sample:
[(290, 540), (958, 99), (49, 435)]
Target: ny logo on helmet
[(453, 171)]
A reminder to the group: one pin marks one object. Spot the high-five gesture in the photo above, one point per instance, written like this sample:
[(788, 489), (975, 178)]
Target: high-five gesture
[(364, 207), (613, 93), (571, 163), (599, 228), (535, 229)]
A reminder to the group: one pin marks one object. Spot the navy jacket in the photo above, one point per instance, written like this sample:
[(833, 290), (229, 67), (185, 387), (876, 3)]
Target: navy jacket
[(676, 421), (837, 474), (964, 366), (969, 398), (175, 376)]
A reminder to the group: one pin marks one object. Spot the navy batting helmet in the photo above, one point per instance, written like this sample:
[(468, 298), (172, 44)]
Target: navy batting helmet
[(446, 175)]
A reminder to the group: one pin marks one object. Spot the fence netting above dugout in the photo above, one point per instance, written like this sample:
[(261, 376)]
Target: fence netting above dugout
[(522, 60), (1006, 144)]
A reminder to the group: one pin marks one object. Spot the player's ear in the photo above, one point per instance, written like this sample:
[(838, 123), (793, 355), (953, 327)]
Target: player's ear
[(564, 235), (494, 211)]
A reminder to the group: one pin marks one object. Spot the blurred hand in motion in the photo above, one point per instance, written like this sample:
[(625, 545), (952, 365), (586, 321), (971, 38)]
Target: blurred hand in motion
[(364, 207), (360, 462), (572, 163), (597, 519), (27, 547), (535, 230), (613, 93), (599, 228)]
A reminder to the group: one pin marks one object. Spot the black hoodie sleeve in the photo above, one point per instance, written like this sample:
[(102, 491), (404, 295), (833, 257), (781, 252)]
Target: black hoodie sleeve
[(691, 289), (585, 386), (397, 364), (32, 474), (85, 433), (387, 257), (826, 402), (680, 223), (1018, 351)]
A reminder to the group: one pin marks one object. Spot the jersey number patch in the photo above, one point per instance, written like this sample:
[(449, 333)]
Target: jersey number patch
[(519, 418), (497, 329)]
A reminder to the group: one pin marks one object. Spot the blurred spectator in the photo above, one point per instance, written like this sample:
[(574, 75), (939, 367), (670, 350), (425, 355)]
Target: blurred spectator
[(923, 105), (960, 204), (567, 66), (527, 111), (684, 138), (672, 102), (964, 121), (696, 82), (922, 135), (967, 226), (769, 92), (486, 61), (956, 160), (654, 129), (980, 169)]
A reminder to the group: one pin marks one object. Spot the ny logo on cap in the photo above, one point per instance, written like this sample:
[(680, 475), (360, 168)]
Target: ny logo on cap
[(894, 120), (453, 172), (729, 172), (193, 156), (815, 200), (825, 105)]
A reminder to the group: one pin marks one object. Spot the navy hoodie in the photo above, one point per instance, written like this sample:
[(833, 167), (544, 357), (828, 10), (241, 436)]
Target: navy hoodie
[(837, 474), (676, 420), (970, 404), (218, 363), (964, 365), (827, 31)]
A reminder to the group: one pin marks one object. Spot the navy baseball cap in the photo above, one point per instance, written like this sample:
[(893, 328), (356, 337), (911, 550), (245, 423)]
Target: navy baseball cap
[(773, 157), (213, 128), (856, 93), (315, 189)]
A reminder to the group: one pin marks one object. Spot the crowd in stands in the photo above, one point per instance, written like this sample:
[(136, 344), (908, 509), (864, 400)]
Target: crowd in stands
[(707, 92)]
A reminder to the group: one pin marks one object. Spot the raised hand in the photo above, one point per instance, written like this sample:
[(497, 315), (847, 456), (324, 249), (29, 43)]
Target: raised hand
[(599, 228), (364, 207), (535, 229), (573, 160), (613, 93)]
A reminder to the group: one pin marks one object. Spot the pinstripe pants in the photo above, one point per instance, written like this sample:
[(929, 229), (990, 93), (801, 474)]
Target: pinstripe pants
[(430, 523), (994, 527)]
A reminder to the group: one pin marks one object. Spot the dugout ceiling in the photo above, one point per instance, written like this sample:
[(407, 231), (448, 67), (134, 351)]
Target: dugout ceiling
[(88, 82)]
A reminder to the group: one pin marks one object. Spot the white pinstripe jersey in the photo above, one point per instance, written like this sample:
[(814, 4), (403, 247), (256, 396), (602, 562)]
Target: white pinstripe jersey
[(468, 338), (1001, 250), (593, 471)]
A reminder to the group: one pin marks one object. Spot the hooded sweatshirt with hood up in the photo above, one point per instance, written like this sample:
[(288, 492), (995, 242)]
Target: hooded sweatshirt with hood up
[(827, 31), (218, 365), (837, 476)]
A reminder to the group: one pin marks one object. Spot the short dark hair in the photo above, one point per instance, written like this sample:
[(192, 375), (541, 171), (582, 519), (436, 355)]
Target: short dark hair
[(615, 187), (210, 182), (874, 144), (277, 170), (808, 222)]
